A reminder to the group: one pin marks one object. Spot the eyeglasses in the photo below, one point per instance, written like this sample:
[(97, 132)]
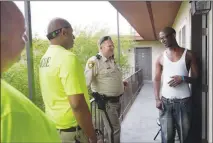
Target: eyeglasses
[(165, 37), (25, 37), (105, 38), (55, 33)]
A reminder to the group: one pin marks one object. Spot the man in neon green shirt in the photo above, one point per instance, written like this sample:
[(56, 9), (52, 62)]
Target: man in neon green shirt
[(21, 120), (63, 86)]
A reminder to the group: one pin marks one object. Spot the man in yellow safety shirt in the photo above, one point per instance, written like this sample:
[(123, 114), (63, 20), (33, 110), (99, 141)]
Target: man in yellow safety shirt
[(21, 120), (63, 86)]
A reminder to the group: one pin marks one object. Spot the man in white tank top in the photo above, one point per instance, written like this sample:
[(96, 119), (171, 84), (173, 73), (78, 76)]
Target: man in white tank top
[(173, 67)]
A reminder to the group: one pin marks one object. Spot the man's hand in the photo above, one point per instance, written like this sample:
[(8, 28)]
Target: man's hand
[(100, 141), (159, 104), (94, 140), (83, 116), (125, 84), (176, 80)]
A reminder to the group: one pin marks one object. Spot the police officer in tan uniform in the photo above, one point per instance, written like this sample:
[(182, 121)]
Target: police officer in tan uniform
[(104, 78)]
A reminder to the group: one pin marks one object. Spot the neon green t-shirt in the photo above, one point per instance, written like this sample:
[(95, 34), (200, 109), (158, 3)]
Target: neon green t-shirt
[(61, 75), (22, 121)]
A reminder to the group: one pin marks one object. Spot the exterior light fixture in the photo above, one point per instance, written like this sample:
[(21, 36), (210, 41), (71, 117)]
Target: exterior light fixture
[(200, 7)]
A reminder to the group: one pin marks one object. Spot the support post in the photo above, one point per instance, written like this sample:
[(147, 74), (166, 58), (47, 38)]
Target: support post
[(118, 34), (29, 50)]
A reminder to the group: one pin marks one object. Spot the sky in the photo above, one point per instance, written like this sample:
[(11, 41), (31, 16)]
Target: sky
[(100, 14)]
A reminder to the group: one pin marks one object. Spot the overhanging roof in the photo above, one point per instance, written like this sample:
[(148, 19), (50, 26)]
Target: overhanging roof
[(148, 17)]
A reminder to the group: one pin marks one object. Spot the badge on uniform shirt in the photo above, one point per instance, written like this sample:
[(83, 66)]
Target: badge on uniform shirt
[(91, 64)]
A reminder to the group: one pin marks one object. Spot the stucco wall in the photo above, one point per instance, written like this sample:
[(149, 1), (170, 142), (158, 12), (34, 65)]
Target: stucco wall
[(184, 18), (157, 48), (210, 119)]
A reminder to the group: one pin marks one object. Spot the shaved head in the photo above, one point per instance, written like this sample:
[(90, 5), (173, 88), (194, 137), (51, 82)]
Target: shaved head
[(12, 31), (167, 36), (168, 30), (60, 32), (56, 24)]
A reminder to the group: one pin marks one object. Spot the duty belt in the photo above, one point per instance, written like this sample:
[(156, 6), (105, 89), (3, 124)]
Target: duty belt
[(112, 99)]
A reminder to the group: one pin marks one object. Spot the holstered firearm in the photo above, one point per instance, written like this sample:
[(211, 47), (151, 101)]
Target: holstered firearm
[(100, 100)]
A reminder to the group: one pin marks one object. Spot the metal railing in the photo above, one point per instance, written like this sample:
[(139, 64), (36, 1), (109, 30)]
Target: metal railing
[(128, 72), (96, 117), (135, 82)]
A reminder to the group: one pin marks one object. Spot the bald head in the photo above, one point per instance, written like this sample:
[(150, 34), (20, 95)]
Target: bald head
[(60, 32), (167, 37), (56, 24), (12, 29), (10, 17)]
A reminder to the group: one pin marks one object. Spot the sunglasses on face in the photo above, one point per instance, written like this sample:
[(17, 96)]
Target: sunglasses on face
[(55, 33), (165, 37), (105, 38)]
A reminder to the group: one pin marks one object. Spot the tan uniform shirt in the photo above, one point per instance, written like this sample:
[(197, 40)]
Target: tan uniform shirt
[(103, 76)]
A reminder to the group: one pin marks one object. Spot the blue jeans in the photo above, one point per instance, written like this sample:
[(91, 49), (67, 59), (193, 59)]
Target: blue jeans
[(175, 115)]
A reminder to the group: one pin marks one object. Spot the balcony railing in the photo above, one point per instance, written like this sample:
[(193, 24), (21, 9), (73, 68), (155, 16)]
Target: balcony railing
[(127, 72), (135, 82)]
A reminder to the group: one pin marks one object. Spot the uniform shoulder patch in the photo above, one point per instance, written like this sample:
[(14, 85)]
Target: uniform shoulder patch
[(98, 56), (91, 64)]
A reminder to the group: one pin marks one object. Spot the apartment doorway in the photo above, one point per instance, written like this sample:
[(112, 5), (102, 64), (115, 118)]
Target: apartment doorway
[(143, 60)]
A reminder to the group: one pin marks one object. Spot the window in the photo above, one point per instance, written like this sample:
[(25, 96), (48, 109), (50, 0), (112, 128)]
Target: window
[(182, 37), (179, 39)]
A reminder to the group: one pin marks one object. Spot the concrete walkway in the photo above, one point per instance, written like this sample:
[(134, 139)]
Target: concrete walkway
[(140, 125)]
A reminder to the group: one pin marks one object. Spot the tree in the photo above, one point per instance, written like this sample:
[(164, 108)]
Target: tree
[(85, 46)]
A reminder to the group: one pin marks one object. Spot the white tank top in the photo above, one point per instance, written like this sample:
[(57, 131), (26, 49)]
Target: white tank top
[(171, 69)]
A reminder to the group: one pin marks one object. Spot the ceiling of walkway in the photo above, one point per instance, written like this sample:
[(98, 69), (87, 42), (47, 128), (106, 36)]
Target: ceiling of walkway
[(148, 17)]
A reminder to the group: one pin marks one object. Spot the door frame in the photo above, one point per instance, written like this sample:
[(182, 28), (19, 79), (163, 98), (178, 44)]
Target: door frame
[(200, 94), (205, 75), (141, 47), (210, 79)]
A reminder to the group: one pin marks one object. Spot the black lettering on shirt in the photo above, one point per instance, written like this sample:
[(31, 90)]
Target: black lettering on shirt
[(45, 62)]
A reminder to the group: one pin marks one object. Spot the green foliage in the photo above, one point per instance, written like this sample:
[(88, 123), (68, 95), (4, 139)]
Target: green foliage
[(85, 46)]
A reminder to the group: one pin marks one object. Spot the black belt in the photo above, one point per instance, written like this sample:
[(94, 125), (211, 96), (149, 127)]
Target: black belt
[(113, 99), (72, 129)]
